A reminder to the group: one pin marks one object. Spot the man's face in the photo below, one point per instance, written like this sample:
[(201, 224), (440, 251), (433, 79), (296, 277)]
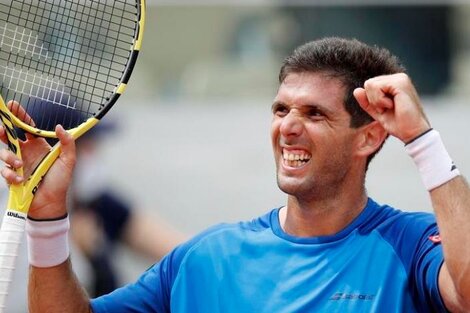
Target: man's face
[(311, 136)]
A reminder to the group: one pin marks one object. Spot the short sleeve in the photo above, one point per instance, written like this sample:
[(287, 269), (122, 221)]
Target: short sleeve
[(152, 291), (150, 294), (413, 235)]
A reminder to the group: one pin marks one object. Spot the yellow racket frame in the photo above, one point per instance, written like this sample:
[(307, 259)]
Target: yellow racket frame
[(21, 195)]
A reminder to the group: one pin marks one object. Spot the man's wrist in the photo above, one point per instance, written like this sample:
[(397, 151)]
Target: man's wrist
[(47, 219), (51, 212), (419, 136), (432, 159), (47, 241)]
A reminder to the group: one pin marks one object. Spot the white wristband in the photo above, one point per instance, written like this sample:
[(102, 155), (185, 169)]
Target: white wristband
[(432, 159), (47, 242)]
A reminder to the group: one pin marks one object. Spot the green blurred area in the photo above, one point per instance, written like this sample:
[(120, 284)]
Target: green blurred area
[(205, 52)]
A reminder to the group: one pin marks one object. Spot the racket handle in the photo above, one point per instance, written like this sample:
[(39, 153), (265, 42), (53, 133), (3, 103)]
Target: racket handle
[(11, 235)]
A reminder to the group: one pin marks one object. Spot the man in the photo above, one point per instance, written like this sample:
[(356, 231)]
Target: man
[(330, 248)]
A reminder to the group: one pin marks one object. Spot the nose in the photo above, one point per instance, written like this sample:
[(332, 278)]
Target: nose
[(291, 124)]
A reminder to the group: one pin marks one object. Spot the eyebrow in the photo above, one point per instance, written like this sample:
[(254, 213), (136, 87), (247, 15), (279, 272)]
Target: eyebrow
[(305, 107), (277, 103)]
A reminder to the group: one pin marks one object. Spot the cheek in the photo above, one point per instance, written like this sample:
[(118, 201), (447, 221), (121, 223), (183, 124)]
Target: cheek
[(274, 131), (328, 146), (325, 134), (338, 153), (319, 135)]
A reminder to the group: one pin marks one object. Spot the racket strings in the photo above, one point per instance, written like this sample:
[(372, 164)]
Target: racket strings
[(63, 59)]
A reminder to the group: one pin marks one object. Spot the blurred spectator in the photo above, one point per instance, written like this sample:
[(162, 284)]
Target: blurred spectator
[(103, 217)]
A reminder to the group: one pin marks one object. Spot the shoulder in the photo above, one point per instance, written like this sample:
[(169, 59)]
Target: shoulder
[(225, 233), (408, 224), (389, 221), (412, 235), (154, 287), (221, 235)]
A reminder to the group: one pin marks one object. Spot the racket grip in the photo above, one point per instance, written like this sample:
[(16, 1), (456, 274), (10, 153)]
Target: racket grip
[(11, 235)]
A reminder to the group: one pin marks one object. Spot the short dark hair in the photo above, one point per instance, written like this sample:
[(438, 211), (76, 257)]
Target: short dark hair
[(351, 61)]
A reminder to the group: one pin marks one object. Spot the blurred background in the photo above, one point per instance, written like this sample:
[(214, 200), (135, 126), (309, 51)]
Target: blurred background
[(197, 149), (189, 140)]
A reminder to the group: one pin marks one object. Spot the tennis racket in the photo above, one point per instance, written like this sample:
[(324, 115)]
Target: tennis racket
[(64, 62)]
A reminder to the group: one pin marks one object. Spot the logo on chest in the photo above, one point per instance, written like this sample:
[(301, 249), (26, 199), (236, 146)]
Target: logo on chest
[(351, 296)]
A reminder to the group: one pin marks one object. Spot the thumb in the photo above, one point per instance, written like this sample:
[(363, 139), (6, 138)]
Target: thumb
[(361, 97), (67, 146)]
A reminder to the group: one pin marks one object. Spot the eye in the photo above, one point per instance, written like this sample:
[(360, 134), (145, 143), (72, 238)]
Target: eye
[(315, 113), (280, 109)]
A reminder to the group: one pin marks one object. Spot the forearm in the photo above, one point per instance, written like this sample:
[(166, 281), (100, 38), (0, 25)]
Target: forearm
[(151, 235), (451, 202), (56, 289)]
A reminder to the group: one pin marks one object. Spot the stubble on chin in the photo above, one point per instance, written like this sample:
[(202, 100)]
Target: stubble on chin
[(294, 186)]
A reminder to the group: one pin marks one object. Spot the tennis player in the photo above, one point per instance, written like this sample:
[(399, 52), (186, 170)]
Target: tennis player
[(330, 248)]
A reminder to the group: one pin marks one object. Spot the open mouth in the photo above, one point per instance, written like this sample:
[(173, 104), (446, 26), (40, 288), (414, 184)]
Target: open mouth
[(295, 158)]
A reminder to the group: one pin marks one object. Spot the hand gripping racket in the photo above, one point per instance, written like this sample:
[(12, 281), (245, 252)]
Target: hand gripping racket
[(65, 62)]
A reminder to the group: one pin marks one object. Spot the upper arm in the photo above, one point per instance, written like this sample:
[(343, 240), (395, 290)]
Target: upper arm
[(449, 294), (451, 203)]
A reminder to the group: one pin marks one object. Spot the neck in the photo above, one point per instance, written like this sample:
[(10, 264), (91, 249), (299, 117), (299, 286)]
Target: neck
[(321, 216)]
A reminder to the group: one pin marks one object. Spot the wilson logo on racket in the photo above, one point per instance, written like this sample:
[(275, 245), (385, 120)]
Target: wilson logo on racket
[(15, 215)]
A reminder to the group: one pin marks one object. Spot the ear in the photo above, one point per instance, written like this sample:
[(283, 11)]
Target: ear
[(371, 138)]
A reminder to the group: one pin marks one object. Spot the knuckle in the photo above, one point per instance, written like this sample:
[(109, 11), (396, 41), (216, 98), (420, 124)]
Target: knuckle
[(368, 83), (372, 84), (10, 175), (3, 155), (6, 173), (403, 78)]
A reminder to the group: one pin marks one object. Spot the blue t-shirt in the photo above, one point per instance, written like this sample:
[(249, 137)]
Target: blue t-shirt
[(384, 261)]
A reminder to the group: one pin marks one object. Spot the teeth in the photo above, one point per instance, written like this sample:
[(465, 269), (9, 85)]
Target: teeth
[(295, 159), (295, 163)]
